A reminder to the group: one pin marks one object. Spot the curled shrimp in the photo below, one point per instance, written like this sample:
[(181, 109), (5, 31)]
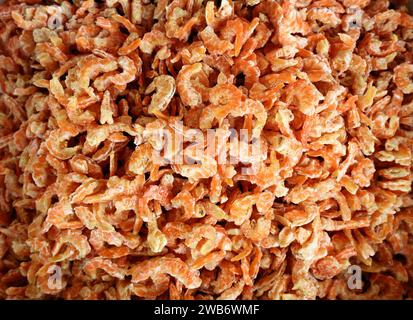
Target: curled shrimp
[(141, 159), (8, 64), (43, 277), (290, 24), (57, 142), (165, 90), (249, 69), (204, 239), (213, 43), (324, 15), (153, 39), (156, 239), (128, 74), (174, 231), (226, 277), (188, 93), (241, 209), (387, 22), (36, 18), (359, 3), (403, 74), (224, 98), (150, 291), (304, 95), (5, 11), (125, 4), (60, 216), (92, 265), (89, 68), (175, 267), (378, 48), (175, 29), (253, 108), (363, 171), (233, 292), (216, 17), (77, 246), (194, 172), (256, 230)]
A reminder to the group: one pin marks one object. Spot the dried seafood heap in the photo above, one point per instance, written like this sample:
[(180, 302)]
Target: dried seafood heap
[(324, 87)]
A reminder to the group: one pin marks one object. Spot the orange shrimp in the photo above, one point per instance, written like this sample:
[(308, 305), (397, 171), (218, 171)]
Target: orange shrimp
[(92, 265), (60, 214), (213, 43), (73, 240), (194, 172), (57, 142), (165, 89), (128, 74), (188, 93), (304, 95), (403, 77), (38, 18), (153, 39), (175, 267)]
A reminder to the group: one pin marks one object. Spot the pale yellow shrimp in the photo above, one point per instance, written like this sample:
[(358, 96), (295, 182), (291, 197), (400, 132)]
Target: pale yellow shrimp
[(403, 77), (189, 95), (125, 4), (156, 240), (165, 90)]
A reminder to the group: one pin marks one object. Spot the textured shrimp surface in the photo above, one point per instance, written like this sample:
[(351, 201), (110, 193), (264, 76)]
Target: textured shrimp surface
[(93, 206)]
